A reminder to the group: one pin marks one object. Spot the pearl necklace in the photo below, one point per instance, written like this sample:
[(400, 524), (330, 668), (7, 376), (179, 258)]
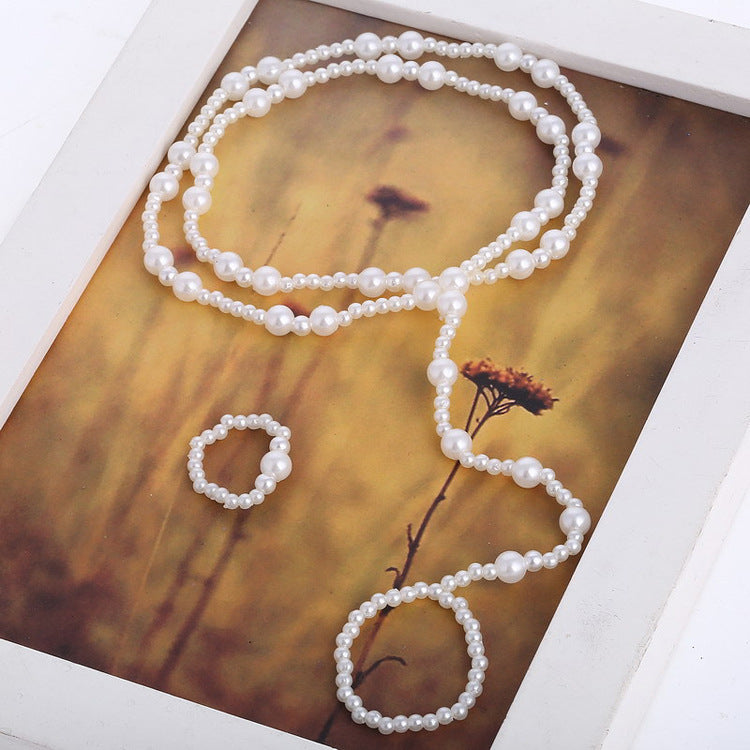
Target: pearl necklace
[(239, 96)]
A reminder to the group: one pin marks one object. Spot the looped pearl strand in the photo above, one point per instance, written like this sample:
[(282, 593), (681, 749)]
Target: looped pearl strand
[(241, 95)]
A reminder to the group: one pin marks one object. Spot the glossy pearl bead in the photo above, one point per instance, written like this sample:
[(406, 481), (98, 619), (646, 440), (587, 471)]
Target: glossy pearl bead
[(455, 443), (511, 567), (574, 520), (324, 320), (526, 472), (279, 320), (389, 68)]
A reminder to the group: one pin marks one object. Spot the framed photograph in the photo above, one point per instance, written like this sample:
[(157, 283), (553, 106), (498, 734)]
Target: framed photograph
[(135, 609)]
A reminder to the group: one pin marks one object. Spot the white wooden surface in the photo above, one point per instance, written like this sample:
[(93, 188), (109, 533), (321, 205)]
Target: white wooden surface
[(54, 53)]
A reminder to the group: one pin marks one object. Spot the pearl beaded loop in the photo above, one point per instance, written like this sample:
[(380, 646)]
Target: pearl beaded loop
[(275, 465), (252, 93), (429, 722), (255, 90)]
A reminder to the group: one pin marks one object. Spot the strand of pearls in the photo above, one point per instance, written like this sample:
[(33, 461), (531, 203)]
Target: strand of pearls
[(240, 96), (275, 465), (252, 92)]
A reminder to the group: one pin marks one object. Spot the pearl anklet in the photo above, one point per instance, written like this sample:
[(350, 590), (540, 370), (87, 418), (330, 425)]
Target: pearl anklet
[(252, 92)]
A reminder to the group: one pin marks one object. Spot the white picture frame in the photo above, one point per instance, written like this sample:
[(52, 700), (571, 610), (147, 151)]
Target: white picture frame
[(588, 694)]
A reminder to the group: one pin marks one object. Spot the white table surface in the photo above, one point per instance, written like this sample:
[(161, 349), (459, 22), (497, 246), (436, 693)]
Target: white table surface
[(54, 54)]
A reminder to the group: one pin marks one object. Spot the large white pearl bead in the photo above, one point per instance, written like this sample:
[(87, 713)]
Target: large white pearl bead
[(293, 82), (368, 46), (455, 443), (269, 69), (555, 243), (235, 84), (166, 186), (226, 266), (156, 258), (426, 294), (186, 286), (324, 320), (204, 163), (527, 225), (587, 165), (389, 68), (550, 201), (586, 133), (279, 321), (527, 472), (521, 105), (451, 302), (413, 276), (508, 56), (276, 464), (520, 264), (371, 282), (431, 75), (511, 566), (454, 278), (258, 102), (180, 153), (544, 72), (410, 45), (196, 199), (442, 371), (266, 280), (550, 128), (575, 520)]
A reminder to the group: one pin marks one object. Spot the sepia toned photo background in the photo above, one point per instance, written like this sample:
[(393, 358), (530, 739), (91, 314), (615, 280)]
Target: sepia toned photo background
[(110, 560)]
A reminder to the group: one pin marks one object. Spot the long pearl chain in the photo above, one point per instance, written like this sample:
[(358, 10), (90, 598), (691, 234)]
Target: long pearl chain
[(252, 92)]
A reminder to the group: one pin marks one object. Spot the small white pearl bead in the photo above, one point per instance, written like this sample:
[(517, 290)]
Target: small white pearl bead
[(575, 520), (293, 83), (508, 56), (410, 45), (586, 133), (527, 224), (526, 472), (204, 164), (455, 443), (544, 73), (266, 280), (269, 69), (426, 294), (520, 264), (550, 128), (165, 185), (226, 265), (196, 199), (450, 303), (323, 320), (551, 201), (555, 243), (279, 320), (441, 371), (389, 68), (157, 258), (186, 286), (587, 166), (533, 561), (180, 153), (372, 282), (368, 46), (431, 75), (511, 567), (521, 105), (258, 102)]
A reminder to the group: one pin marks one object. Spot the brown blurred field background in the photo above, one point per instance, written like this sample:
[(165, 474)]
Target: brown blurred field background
[(109, 559)]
